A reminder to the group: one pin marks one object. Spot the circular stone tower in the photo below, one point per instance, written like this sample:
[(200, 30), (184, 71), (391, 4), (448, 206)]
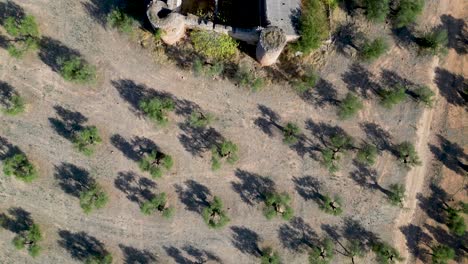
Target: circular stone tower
[(170, 23), (270, 45)]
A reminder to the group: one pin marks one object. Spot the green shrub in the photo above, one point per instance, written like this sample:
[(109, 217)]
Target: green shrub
[(376, 10), (385, 253), (278, 204), (155, 162), (227, 150), (29, 239), (93, 197), (214, 215), (25, 35), (313, 26), (20, 167), (76, 70), (157, 108), (371, 50), (104, 258), (434, 42), (118, 19), (16, 105), (349, 106), (408, 12), (442, 254), (269, 256), (85, 140), (331, 206), (397, 194), (367, 154), (306, 82), (291, 132), (407, 154), (322, 253), (339, 143), (213, 45), (246, 78), (425, 95), (392, 97), (455, 222), (158, 203), (198, 119)]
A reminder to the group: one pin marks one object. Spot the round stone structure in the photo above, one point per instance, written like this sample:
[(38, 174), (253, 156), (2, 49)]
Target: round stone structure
[(271, 43), (171, 23)]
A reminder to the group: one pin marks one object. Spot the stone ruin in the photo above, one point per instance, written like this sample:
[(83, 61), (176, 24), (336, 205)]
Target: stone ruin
[(270, 39)]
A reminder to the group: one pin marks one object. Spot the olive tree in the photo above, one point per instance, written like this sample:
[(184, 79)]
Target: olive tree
[(371, 50), (158, 203), (25, 34), (391, 97), (424, 95), (19, 166), (227, 151), (330, 205), (15, 105), (199, 119), (455, 221), (434, 42), (376, 10), (269, 256), (442, 254), (367, 154), (93, 197), (322, 253), (156, 163), (339, 143), (385, 253), (290, 133), (397, 194), (156, 109), (77, 70), (86, 139), (408, 11), (349, 106), (214, 214), (103, 258), (29, 239), (278, 204), (407, 154)]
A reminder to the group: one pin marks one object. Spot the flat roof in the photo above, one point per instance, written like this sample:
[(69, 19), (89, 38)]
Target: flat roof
[(280, 13)]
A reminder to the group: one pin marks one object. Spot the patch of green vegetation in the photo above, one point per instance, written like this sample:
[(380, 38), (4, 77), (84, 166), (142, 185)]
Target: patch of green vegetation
[(77, 70), (25, 33), (372, 50), (247, 78), (15, 106), (407, 154), (214, 215), (158, 203), (155, 163), (86, 139), (442, 254), (199, 119), (408, 12), (105, 258), (385, 253), (331, 206), (376, 10), (213, 45), (156, 109), (349, 106), (278, 204), (209, 70), (20, 167), (29, 239), (227, 150), (306, 82), (313, 26), (397, 194), (118, 19), (290, 133), (367, 154), (322, 253), (269, 256), (434, 43), (392, 97), (425, 95), (93, 197)]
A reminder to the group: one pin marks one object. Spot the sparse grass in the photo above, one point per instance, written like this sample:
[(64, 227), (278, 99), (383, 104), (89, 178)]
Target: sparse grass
[(247, 78), (20, 167), (77, 70), (372, 50)]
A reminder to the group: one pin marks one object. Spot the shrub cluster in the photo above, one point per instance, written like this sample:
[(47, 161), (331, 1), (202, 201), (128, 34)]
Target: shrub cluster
[(313, 25), (77, 70), (25, 35), (213, 46)]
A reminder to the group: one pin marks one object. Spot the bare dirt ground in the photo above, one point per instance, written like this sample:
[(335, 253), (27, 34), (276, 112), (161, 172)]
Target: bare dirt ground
[(127, 73)]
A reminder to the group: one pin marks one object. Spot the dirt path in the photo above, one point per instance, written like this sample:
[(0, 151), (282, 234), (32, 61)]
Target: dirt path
[(416, 178)]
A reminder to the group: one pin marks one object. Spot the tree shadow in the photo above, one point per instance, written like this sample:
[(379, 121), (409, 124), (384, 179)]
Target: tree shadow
[(194, 195), (133, 93), (135, 148), (322, 94), (253, 188), (367, 178), (7, 92), (53, 52), (403, 36), (198, 140), (360, 81), (81, 245), (137, 256), (433, 205), (297, 235), (323, 132), (17, 220), (451, 155), (7, 149), (68, 122), (457, 243), (138, 189), (246, 240), (353, 230), (415, 236), (392, 79), (72, 179), (191, 255), (378, 136), (452, 87), (457, 33), (269, 120), (100, 9), (10, 9), (345, 36), (308, 188)]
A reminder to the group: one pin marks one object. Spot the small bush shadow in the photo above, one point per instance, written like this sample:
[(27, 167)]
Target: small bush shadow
[(10, 9)]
